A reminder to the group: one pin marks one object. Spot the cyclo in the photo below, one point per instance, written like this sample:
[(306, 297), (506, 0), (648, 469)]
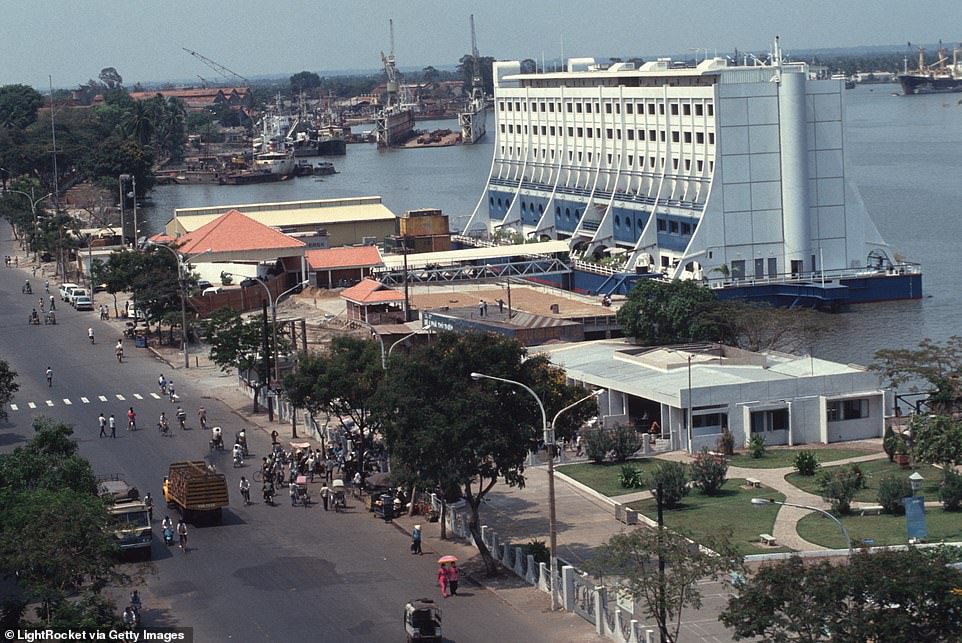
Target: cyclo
[(337, 495)]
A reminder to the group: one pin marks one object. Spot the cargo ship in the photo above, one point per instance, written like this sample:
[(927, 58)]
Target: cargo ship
[(472, 120), (394, 124), (939, 77)]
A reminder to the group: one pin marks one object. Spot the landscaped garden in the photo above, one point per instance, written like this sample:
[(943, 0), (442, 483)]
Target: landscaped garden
[(885, 529), (701, 517), (604, 477), (775, 458), (873, 472)]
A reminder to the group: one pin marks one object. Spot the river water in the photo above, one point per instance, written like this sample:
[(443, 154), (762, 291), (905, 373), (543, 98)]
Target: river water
[(904, 155)]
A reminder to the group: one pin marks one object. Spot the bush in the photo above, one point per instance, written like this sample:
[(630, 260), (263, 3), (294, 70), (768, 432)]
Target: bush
[(838, 486), (806, 463), (226, 278), (538, 549), (673, 477), (889, 442), (950, 491), (625, 441), (631, 477), (726, 443), (708, 472), (756, 446), (597, 443), (891, 490)]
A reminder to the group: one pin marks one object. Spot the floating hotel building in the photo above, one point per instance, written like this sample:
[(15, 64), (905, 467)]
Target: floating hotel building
[(731, 174)]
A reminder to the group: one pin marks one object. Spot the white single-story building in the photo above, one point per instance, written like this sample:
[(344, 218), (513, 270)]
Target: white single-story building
[(694, 391)]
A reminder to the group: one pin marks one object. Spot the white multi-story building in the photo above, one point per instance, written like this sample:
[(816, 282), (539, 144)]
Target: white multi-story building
[(732, 170)]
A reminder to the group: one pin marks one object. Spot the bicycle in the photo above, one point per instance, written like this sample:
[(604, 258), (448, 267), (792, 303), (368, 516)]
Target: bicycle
[(258, 476), (164, 428)]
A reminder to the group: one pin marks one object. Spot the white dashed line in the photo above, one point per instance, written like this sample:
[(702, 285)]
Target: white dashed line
[(31, 405), (14, 407), (85, 400), (155, 396), (102, 398), (138, 396), (67, 402), (120, 397), (49, 402)]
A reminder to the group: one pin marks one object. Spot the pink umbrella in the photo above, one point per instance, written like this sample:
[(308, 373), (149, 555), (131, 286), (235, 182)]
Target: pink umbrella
[(448, 559)]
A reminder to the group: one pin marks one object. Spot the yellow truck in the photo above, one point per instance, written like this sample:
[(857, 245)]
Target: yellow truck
[(197, 490), (129, 515)]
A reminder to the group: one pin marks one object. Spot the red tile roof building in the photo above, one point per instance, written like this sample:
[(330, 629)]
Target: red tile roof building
[(342, 266)]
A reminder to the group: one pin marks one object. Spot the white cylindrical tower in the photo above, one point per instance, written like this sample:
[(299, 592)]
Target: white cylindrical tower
[(792, 133)]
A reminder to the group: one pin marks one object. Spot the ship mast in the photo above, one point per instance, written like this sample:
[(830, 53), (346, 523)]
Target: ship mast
[(477, 90), (390, 69)]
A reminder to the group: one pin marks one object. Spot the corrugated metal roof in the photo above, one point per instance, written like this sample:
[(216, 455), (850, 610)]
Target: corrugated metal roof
[(450, 257), (292, 213)]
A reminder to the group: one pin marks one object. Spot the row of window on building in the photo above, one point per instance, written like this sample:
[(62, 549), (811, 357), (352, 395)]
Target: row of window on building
[(777, 419), (675, 108), (676, 163), (677, 136)]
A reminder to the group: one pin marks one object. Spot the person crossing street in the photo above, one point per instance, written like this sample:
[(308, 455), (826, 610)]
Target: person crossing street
[(103, 425), (113, 426), (49, 376)]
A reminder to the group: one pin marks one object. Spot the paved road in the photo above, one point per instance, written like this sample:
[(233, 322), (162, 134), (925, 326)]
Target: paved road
[(266, 573)]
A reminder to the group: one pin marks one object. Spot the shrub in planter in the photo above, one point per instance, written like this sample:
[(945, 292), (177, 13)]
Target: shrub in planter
[(726, 443), (756, 446), (625, 441), (950, 491), (673, 477), (708, 472), (839, 486), (630, 477), (889, 442), (806, 463), (598, 443), (891, 490)]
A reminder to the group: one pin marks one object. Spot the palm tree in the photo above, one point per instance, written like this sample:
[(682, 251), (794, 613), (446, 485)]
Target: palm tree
[(138, 124)]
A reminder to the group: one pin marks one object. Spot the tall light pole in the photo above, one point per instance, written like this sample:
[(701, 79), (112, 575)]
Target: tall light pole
[(404, 339), (183, 293), (758, 502), (133, 192), (550, 444), (273, 305), (33, 207), (689, 356)]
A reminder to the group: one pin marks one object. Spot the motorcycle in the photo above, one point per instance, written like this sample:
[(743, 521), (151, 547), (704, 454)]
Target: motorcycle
[(217, 441), (238, 459), (241, 439), (27, 290), (168, 536)]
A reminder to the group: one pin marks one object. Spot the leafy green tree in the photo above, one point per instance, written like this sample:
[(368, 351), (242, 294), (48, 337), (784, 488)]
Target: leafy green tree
[(760, 327), (18, 106), (937, 439), (111, 78), (471, 434), (598, 443), (663, 594), (838, 485), (625, 441), (465, 72), (342, 382), (304, 81), (933, 367), (880, 596), (8, 387), (708, 472), (49, 461), (139, 124), (673, 478), (114, 156), (658, 312)]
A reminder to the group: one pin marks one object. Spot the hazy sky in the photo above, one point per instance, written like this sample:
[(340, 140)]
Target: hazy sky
[(72, 40)]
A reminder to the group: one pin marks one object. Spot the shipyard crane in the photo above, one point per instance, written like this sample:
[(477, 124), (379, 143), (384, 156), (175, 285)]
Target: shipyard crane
[(477, 90), (391, 71), (220, 69)]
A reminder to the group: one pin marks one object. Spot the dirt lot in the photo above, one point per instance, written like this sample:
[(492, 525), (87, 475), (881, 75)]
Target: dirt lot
[(528, 299)]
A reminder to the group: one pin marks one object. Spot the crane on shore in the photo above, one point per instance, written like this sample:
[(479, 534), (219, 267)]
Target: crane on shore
[(220, 69)]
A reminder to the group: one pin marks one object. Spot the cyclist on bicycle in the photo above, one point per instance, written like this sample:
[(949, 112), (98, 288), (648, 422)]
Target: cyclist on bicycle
[(182, 418), (162, 424), (162, 383), (170, 390), (202, 414), (131, 419)]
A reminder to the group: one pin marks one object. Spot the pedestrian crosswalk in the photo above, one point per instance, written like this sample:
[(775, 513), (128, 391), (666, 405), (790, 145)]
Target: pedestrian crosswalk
[(106, 398)]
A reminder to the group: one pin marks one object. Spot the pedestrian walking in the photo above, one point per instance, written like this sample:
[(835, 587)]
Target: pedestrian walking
[(500, 305), (325, 492), (443, 580), (103, 425), (481, 308), (453, 576), (113, 426), (49, 376), (328, 469), (416, 540)]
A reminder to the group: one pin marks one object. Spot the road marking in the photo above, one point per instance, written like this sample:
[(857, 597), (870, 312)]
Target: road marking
[(120, 397), (14, 407), (155, 396), (67, 402), (102, 398), (138, 396), (85, 400), (49, 402), (31, 405)]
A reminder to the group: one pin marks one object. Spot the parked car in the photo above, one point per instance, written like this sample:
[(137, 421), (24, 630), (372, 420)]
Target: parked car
[(65, 289), (83, 302), (250, 281), (203, 284), (100, 288), (213, 290), (77, 292)]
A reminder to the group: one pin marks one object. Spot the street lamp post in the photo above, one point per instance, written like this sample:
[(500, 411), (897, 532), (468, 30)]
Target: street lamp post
[(33, 208), (758, 502), (183, 295), (550, 445), (273, 305), (133, 192)]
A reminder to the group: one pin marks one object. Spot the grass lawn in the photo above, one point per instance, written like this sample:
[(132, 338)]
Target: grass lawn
[(884, 530), (777, 458), (700, 516), (603, 478), (874, 471)]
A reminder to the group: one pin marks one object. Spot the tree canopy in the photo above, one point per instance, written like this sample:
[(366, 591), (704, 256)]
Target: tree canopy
[(472, 434), (882, 596), (8, 387), (304, 81), (659, 312), (933, 367)]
